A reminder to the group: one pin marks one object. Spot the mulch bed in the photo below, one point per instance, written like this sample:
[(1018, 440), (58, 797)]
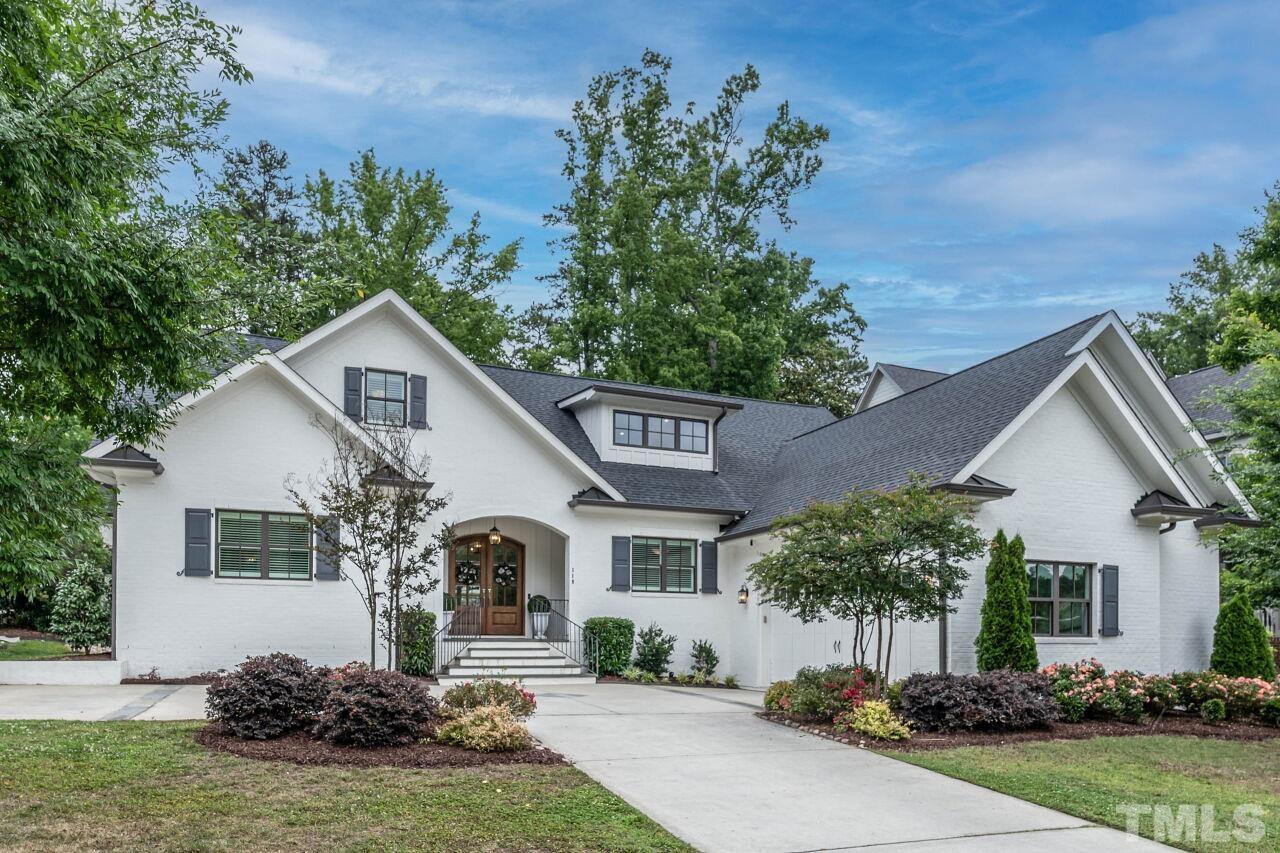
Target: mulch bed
[(1170, 724), (662, 682), (301, 749), (205, 678), (98, 656)]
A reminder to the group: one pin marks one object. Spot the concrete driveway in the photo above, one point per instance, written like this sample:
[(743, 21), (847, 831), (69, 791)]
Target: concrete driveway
[(699, 763)]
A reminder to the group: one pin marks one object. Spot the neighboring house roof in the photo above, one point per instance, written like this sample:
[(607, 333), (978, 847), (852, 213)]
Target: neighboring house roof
[(935, 430), (911, 378), (1195, 391), (748, 440)]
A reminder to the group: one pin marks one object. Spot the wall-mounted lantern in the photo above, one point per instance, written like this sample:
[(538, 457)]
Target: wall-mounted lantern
[(743, 594)]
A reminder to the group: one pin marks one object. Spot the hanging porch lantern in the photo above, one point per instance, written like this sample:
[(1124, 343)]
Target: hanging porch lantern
[(495, 535)]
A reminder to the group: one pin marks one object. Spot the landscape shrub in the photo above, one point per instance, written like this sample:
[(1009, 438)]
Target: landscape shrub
[(1241, 697), (648, 677), (615, 637), (632, 673), (654, 647), (699, 679), (827, 691), (731, 681), (466, 697), (1269, 713), (1005, 639), (874, 719), (1196, 688), (1086, 689), (375, 708), (683, 678), (778, 696), (989, 701), (705, 659), (417, 631), (267, 696), (1246, 696), (1241, 645), (487, 728), (893, 694), (81, 613), (1213, 711)]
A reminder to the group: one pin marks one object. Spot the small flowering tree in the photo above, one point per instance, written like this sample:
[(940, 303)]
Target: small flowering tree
[(874, 558)]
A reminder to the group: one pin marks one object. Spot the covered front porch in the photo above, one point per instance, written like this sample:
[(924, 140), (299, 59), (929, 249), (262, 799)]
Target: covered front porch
[(497, 565)]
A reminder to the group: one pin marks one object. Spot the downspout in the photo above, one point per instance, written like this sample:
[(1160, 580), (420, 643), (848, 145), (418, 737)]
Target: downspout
[(115, 557), (1171, 525), (715, 437)]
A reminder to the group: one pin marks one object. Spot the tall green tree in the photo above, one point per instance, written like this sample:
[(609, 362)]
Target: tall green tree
[(254, 209), (381, 228), (111, 302), (1181, 337), (1250, 340), (1241, 644), (1005, 639), (873, 558), (664, 276)]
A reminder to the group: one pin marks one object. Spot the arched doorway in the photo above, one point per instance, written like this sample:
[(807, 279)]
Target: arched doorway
[(486, 581)]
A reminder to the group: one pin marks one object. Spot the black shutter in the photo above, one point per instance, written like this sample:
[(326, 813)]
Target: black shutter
[(710, 567), (621, 564), (329, 529), (1110, 601), (198, 535), (418, 402), (353, 392)]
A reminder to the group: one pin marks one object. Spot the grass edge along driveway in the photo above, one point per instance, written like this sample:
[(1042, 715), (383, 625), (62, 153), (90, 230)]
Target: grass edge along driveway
[(132, 785), (32, 650), (1089, 778)]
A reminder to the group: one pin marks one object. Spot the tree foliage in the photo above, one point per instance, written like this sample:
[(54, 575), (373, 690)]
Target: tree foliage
[(1005, 639), (873, 558), (377, 497), (664, 276), (1181, 337)]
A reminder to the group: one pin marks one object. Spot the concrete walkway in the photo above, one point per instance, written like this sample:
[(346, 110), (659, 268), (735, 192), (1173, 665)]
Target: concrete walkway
[(117, 702), (700, 763)]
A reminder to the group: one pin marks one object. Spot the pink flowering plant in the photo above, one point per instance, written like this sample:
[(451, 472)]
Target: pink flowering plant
[(1086, 689)]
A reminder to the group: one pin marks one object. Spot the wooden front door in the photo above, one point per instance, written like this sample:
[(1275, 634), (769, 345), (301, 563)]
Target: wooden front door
[(487, 583)]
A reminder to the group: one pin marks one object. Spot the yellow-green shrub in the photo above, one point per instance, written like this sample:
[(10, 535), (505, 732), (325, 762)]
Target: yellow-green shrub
[(488, 728), (874, 719)]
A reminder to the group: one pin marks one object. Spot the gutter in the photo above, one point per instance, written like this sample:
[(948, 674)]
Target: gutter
[(703, 510)]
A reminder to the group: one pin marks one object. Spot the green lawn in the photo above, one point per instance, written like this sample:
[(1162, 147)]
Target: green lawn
[(33, 650), (1088, 778), (142, 785)]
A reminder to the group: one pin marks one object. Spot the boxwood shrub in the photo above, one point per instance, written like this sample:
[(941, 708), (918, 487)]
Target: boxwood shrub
[(267, 696), (989, 701), (616, 636), (417, 652)]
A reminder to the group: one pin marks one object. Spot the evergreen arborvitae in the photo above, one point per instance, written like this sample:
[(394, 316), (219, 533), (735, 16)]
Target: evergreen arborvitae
[(1005, 640), (1241, 648)]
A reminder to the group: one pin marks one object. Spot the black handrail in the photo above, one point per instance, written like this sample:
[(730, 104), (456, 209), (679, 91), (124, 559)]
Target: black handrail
[(571, 639), (464, 628)]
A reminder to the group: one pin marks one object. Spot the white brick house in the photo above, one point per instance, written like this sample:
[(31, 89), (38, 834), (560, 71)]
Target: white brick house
[(615, 499)]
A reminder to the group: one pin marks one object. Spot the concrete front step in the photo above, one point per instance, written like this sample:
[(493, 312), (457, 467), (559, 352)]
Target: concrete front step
[(487, 662), (566, 668), (488, 652), (527, 680)]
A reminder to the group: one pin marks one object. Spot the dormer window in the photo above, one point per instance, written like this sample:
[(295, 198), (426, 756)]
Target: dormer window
[(632, 429), (384, 397)]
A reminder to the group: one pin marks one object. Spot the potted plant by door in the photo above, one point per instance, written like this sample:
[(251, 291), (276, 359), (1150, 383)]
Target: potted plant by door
[(539, 608)]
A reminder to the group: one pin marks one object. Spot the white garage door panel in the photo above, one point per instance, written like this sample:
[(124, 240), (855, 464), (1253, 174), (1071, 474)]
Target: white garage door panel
[(790, 644)]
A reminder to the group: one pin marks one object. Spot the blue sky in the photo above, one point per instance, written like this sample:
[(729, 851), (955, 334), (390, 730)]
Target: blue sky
[(996, 170)]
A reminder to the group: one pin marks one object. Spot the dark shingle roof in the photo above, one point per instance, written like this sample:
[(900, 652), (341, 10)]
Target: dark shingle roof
[(1195, 391), (934, 431), (911, 378), (749, 441)]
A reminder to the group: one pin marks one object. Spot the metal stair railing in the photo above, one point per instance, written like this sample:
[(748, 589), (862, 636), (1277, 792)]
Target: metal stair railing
[(571, 639), (464, 628)]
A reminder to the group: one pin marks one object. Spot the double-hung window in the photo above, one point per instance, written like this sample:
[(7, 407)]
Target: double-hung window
[(659, 432), (1060, 599), (268, 545), (384, 397), (663, 565)]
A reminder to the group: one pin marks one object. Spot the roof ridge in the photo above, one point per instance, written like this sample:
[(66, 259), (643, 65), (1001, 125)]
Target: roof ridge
[(1198, 370), (909, 367), (647, 385), (903, 396)]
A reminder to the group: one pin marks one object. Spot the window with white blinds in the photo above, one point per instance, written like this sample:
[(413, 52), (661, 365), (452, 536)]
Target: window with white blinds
[(269, 545), (663, 565)]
